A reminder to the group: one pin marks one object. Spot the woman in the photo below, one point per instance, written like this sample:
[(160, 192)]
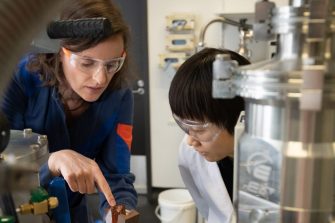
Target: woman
[(205, 155), (80, 99)]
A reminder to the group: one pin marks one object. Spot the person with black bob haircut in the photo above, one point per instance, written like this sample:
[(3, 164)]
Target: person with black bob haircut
[(205, 153)]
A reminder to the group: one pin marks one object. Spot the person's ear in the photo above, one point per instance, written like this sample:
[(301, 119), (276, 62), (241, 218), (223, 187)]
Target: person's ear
[(61, 55)]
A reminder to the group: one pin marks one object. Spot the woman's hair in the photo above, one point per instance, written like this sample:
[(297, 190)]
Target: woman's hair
[(48, 65), (190, 93)]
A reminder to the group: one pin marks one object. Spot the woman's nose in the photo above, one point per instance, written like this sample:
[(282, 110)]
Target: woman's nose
[(192, 141), (100, 75)]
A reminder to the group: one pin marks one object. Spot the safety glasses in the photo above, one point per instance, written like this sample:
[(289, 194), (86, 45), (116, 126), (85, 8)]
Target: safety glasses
[(203, 132), (92, 66)]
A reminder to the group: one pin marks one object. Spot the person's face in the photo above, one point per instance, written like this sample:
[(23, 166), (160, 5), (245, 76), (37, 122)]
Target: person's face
[(217, 149), (212, 142), (89, 72)]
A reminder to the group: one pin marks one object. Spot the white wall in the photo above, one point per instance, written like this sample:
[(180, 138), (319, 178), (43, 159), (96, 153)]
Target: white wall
[(165, 135), (139, 168)]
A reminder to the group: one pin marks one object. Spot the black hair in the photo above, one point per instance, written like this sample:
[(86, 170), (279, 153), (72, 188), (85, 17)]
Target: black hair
[(190, 93)]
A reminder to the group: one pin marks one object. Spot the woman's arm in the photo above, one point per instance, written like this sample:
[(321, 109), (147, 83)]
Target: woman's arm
[(114, 159)]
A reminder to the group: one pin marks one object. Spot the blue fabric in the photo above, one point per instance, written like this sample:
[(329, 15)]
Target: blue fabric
[(29, 104), (61, 214)]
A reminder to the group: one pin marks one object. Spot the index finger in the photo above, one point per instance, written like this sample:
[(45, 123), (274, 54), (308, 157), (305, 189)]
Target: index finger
[(103, 186)]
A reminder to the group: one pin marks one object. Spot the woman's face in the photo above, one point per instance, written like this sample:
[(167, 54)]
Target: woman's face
[(88, 72), (217, 149)]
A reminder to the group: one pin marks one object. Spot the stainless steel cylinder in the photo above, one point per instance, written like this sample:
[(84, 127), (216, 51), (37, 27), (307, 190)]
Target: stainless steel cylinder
[(286, 155), (298, 3)]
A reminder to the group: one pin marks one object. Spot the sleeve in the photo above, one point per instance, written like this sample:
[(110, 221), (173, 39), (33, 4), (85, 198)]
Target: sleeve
[(114, 160), (15, 99), (45, 175), (184, 160)]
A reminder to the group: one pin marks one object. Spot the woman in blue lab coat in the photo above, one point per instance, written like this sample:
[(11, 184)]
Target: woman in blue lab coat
[(205, 155), (79, 98)]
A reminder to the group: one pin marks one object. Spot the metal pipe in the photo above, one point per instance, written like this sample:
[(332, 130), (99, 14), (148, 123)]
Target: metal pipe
[(298, 3), (220, 19)]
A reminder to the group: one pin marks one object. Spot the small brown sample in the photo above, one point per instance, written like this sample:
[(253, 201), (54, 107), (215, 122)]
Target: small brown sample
[(116, 211), (132, 216)]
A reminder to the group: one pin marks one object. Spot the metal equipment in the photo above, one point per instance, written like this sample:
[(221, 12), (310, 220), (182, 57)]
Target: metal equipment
[(245, 31), (21, 197), (285, 168)]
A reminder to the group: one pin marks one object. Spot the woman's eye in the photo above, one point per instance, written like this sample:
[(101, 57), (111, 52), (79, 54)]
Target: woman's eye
[(111, 66), (87, 63)]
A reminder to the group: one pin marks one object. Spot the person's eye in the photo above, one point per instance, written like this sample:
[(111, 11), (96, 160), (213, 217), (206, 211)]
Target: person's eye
[(87, 63), (112, 66)]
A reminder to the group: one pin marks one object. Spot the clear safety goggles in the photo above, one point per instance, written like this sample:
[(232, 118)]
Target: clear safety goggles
[(92, 66), (203, 132)]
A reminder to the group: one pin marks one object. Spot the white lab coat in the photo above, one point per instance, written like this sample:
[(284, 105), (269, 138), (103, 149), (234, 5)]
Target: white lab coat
[(205, 184)]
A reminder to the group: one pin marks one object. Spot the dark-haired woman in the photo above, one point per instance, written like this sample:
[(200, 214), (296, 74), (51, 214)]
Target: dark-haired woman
[(79, 98)]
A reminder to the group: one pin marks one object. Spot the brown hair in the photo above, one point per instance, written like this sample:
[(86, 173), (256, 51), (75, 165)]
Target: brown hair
[(48, 65)]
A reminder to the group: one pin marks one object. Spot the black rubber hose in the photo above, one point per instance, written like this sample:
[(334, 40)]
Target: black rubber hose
[(91, 28)]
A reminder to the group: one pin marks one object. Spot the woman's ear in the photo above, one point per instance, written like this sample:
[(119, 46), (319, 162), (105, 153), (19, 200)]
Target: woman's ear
[(61, 55)]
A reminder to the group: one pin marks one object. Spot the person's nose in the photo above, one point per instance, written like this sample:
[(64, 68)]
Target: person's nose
[(192, 141), (100, 75)]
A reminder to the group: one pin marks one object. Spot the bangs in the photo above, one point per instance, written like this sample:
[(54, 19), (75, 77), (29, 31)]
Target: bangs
[(190, 93), (191, 99)]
